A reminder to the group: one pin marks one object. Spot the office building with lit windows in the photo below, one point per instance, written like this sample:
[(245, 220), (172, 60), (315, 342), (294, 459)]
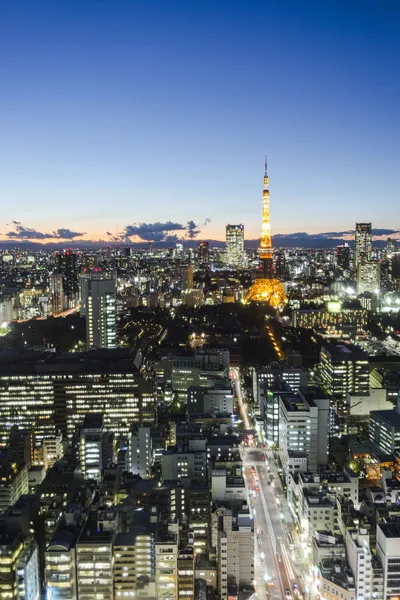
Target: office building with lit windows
[(48, 393), (13, 482), (141, 451), (334, 319), (66, 266), (186, 560), (56, 293), (235, 245), (166, 553), (19, 567), (362, 243), (265, 377), (94, 557), (203, 254), (235, 552), (91, 444), (99, 298), (343, 369), (384, 430), (304, 425), (368, 277)]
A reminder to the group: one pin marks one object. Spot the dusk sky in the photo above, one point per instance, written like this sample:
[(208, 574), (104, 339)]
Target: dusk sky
[(120, 112)]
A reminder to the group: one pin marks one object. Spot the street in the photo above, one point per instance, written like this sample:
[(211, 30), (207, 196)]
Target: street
[(276, 561)]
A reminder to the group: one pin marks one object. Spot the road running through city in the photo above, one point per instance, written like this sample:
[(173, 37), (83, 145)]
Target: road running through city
[(276, 569)]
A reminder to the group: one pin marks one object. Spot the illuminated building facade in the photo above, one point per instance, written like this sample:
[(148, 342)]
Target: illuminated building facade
[(267, 289), (368, 277), (66, 265), (19, 568), (304, 429), (362, 243), (49, 393), (167, 567), (343, 369), (334, 319), (99, 293), (13, 483), (235, 245), (94, 558), (56, 293), (235, 551), (343, 254), (91, 446), (203, 253), (186, 573)]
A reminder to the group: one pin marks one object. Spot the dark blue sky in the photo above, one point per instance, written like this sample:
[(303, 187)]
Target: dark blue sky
[(114, 112)]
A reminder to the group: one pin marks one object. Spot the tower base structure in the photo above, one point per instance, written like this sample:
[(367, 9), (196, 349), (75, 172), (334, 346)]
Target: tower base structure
[(269, 291)]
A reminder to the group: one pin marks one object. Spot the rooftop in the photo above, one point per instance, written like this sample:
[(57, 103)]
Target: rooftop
[(390, 530)]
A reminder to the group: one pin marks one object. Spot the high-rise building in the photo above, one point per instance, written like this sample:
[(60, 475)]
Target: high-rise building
[(267, 289), (94, 557), (166, 551), (368, 276), (343, 255), (186, 560), (362, 243), (100, 301), (187, 278), (384, 430), (235, 552), (14, 483), (51, 393), (395, 268), (141, 452), (235, 245), (56, 293), (388, 552), (304, 423), (343, 369), (19, 567), (66, 265), (91, 446), (203, 253)]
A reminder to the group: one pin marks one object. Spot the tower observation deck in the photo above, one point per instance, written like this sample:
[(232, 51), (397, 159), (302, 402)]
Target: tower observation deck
[(267, 289)]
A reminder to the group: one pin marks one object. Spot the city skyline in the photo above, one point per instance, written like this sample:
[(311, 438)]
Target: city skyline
[(115, 116)]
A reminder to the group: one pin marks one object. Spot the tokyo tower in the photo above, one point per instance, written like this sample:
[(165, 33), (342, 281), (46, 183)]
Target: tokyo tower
[(267, 289)]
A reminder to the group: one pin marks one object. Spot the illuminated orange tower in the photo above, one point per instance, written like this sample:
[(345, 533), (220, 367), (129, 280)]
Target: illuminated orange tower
[(268, 289), (265, 252)]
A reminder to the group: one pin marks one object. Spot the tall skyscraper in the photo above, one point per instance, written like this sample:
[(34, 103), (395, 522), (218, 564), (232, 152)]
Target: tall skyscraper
[(362, 243), (267, 289), (187, 278), (56, 293), (343, 257), (99, 293), (368, 276), (203, 253), (66, 265), (235, 245)]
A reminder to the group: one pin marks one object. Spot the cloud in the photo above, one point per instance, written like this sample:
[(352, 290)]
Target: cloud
[(152, 232), (192, 230), (67, 234), (160, 232), (21, 232)]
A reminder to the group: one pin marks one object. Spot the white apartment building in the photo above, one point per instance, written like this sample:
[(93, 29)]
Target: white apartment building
[(304, 429), (388, 552), (91, 446), (141, 451), (235, 551), (167, 569), (178, 465)]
